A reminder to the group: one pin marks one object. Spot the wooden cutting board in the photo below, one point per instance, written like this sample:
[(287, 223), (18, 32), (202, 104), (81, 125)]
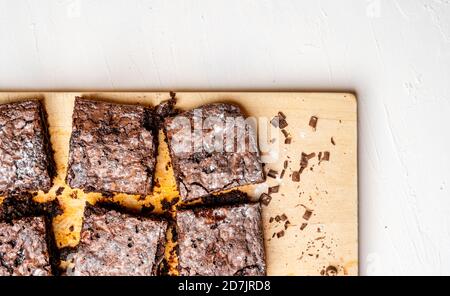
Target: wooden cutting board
[(324, 243)]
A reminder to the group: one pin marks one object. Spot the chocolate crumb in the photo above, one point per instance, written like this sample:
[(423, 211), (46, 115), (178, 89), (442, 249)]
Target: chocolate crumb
[(282, 123), (265, 199), (283, 217), (285, 165), (331, 271), (274, 189), (71, 228), (280, 234), (333, 142), (285, 133), (277, 218), (313, 122), (272, 173), (326, 156), (303, 226), (59, 191), (286, 224), (282, 174), (311, 155), (296, 176), (307, 215), (271, 219), (281, 114), (288, 141)]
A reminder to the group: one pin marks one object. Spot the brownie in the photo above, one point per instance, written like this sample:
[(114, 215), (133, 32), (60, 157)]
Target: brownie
[(25, 241), (26, 162), (202, 165), (112, 148), (221, 241), (114, 243)]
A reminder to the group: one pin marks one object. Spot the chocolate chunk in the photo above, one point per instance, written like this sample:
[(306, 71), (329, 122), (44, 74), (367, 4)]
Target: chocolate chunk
[(274, 189), (313, 122), (282, 123), (280, 234), (307, 215), (265, 199), (272, 173), (296, 176)]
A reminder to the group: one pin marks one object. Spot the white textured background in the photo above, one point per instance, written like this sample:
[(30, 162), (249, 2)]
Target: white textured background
[(394, 54)]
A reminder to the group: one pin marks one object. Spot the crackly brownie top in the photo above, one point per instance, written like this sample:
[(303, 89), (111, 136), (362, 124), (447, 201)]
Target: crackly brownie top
[(225, 240), (212, 149), (23, 247), (25, 157), (112, 148), (114, 243)]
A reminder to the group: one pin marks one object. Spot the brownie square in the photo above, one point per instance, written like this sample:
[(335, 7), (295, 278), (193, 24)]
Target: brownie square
[(204, 164), (112, 148), (114, 243), (24, 241), (26, 162), (221, 241)]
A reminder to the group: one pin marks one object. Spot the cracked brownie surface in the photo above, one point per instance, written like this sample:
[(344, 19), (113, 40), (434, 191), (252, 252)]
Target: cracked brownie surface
[(221, 241), (114, 243), (25, 154), (112, 148), (212, 149)]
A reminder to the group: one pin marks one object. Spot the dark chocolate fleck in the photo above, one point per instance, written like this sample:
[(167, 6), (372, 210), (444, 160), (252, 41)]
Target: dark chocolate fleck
[(303, 226), (285, 165), (280, 234), (265, 199), (296, 176), (332, 141), (307, 215), (281, 114), (60, 190), (285, 133), (272, 173), (274, 189), (288, 141), (282, 174), (313, 122)]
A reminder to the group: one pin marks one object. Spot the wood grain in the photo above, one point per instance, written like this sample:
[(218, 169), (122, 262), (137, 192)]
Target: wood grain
[(328, 189)]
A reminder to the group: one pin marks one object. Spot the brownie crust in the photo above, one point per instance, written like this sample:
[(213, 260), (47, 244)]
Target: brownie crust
[(112, 148), (221, 241), (26, 162), (114, 244), (202, 169)]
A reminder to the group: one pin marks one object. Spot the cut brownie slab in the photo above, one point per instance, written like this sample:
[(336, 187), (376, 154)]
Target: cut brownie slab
[(114, 243), (212, 149), (221, 241), (25, 156), (24, 241), (112, 148)]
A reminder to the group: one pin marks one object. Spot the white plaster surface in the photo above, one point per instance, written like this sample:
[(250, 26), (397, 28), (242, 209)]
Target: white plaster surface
[(395, 54)]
